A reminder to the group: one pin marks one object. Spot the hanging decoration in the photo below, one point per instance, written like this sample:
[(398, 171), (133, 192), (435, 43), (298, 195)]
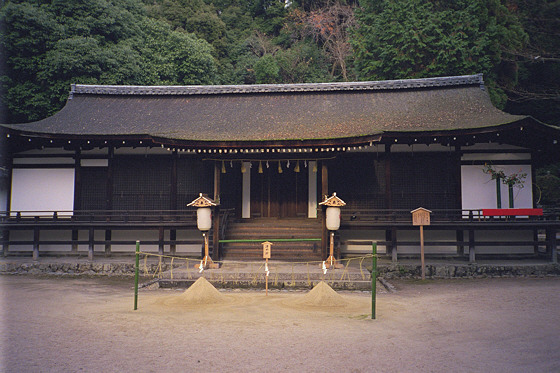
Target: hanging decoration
[(296, 168), (223, 167), (260, 167), (280, 167)]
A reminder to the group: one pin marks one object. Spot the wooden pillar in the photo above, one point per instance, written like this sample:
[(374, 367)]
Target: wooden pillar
[(109, 196), (108, 236), (91, 246), (551, 247), (6, 244), (460, 236), (324, 193), (75, 236), (388, 192), (173, 238), (536, 241), (173, 198), (161, 237), (216, 216), (472, 253), (78, 180), (393, 244), (36, 236)]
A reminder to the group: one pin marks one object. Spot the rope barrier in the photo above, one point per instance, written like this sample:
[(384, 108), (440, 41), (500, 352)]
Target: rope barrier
[(330, 276)]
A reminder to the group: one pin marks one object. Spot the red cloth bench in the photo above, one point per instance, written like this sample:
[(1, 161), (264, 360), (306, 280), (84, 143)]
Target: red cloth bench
[(512, 212)]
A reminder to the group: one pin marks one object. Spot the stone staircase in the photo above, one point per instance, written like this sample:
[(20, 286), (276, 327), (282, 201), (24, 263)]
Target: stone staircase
[(270, 229)]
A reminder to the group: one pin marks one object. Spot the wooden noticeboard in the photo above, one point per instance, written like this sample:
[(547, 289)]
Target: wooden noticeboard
[(421, 216), (266, 249)]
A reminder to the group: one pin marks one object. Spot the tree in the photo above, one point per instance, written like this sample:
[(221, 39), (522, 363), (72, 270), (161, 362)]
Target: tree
[(48, 47), (398, 39), (329, 26)]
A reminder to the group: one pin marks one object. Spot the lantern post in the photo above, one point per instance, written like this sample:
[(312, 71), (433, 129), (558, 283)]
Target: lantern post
[(333, 204), (204, 223)]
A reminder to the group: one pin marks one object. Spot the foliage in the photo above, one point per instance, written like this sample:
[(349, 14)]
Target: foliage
[(47, 47), (399, 39), (548, 182), (516, 179)]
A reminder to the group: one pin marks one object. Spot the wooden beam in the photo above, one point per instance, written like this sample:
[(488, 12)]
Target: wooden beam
[(216, 216)]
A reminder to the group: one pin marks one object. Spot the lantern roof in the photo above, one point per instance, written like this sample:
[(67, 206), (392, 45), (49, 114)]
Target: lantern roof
[(202, 201), (333, 201)]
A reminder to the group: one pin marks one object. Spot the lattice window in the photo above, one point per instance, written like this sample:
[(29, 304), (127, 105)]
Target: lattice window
[(141, 183), (94, 188), (359, 180), (426, 180), (193, 177)]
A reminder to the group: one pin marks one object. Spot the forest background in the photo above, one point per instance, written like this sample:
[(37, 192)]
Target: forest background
[(46, 45)]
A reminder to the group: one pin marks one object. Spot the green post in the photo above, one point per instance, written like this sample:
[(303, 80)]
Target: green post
[(373, 278), (510, 192), (498, 193), (136, 270)]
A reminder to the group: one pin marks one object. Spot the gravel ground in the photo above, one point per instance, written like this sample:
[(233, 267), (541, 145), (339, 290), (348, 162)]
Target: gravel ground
[(58, 324)]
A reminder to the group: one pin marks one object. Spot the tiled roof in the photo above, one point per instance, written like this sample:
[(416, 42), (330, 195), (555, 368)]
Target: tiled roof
[(275, 112), (276, 88)]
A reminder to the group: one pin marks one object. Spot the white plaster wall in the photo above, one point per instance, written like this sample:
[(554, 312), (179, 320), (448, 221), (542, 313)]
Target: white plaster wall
[(367, 236), (48, 189), (500, 236), (478, 190), (429, 235), (46, 235)]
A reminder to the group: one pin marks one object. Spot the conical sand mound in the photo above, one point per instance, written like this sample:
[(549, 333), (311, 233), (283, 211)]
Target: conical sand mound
[(322, 295), (200, 293)]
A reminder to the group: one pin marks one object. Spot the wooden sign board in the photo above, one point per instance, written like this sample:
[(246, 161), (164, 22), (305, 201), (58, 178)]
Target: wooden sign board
[(421, 216), (266, 249)]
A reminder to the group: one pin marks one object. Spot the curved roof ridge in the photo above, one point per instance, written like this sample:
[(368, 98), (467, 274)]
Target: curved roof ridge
[(278, 88)]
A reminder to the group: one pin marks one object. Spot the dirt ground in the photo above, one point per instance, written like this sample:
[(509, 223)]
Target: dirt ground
[(487, 325)]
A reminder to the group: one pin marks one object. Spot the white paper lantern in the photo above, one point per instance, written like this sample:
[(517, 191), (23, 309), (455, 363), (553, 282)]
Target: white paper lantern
[(204, 218), (333, 218)]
